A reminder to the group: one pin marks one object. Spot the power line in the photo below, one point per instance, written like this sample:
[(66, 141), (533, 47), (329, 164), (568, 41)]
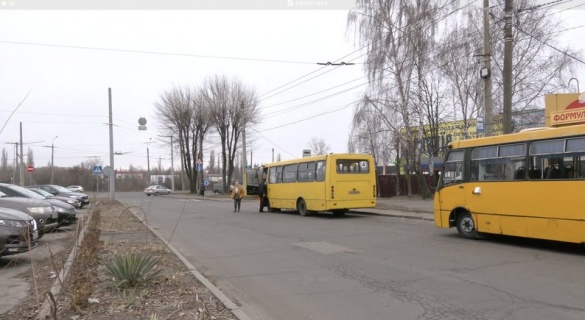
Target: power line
[(153, 52)]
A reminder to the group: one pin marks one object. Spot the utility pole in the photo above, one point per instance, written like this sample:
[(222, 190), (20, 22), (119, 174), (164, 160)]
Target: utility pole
[(113, 172), (53, 158), (52, 146), (243, 142), (172, 168), (507, 75), (148, 160), (172, 163), (486, 71), (21, 169)]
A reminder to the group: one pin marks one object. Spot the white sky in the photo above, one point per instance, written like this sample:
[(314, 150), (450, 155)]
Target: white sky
[(67, 86)]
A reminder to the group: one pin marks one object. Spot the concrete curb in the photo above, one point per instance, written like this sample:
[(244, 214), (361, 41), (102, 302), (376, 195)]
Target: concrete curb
[(56, 288), (235, 309), (389, 213)]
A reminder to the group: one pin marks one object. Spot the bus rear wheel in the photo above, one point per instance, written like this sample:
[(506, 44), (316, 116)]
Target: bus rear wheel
[(466, 226), (302, 208)]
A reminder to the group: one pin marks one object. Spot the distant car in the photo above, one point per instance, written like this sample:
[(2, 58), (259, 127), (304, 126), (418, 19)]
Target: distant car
[(74, 202), (76, 188), (157, 190), (43, 212), (18, 232), (57, 190)]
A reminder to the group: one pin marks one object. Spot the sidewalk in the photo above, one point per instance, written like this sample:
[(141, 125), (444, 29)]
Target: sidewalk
[(413, 207)]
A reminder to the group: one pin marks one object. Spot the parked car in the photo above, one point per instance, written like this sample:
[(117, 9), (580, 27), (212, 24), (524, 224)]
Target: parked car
[(18, 232), (67, 214), (74, 202), (43, 212), (76, 188), (57, 190), (157, 190)]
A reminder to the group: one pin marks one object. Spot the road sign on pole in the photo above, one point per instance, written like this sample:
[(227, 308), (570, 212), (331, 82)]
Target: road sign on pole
[(30, 169), (97, 170)]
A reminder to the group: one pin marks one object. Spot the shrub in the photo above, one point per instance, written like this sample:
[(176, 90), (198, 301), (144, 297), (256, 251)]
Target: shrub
[(133, 270)]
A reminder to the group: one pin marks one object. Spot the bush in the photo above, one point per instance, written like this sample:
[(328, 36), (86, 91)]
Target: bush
[(133, 270)]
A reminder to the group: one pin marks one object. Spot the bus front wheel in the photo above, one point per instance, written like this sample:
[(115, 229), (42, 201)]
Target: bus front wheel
[(302, 208), (466, 226)]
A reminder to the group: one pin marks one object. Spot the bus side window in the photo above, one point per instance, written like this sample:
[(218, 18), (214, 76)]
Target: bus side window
[(320, 171)]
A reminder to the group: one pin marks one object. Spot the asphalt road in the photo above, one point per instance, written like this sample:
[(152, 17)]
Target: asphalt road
[(282, 266)]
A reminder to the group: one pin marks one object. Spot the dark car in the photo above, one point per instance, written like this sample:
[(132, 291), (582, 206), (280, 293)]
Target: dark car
[(18, 232), (74, 202), (157, 190), (67, 213), (60, 191), (43, 212)]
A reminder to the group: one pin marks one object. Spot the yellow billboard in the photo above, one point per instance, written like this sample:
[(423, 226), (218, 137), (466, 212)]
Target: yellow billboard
[(564, 109)]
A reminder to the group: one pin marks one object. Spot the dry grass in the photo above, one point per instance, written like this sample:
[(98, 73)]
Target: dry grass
[(90, 294)]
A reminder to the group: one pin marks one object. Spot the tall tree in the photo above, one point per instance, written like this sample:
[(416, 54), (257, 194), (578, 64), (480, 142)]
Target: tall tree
[(399, 37), (177, 114), (233, 107)]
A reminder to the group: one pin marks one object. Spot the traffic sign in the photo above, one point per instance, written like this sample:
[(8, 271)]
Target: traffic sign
[(30, 169), (206, 183), (97, 170)]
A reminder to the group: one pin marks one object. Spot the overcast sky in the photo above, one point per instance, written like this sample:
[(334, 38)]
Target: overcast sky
[(60, 64)]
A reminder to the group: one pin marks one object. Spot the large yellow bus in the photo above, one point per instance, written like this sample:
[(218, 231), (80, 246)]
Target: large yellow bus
[(529, 184), (333, 182)]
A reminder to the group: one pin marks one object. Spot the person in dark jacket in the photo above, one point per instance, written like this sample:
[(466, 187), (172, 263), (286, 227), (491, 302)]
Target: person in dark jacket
[(262, 195)]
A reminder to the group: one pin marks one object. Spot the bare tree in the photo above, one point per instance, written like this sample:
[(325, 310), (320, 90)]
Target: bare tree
[(541, 64), (318, 146), (180, 116), (233, 107), (30, 157), (399, 39), (370, 133)]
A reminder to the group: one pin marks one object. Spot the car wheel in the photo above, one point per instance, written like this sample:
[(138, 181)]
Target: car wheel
[(156, 194), (466, 226), (302, 208)]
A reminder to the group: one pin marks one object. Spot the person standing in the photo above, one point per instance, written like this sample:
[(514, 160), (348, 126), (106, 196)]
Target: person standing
[(262, 195), (237, 195)]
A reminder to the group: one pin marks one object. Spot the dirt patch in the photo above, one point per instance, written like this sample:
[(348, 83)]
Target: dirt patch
[(90, 293)]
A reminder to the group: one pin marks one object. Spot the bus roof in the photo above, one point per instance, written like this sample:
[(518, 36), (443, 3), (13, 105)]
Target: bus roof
[(321, 157), (536, 134)]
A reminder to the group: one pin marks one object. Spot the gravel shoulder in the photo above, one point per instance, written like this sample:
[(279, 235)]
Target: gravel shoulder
[(88, 292)]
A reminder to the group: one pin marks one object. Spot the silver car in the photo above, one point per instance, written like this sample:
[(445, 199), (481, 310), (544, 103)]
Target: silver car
[(18, 232), (157, 190)]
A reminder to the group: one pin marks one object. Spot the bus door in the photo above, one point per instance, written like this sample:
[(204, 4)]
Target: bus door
[(451, 192)]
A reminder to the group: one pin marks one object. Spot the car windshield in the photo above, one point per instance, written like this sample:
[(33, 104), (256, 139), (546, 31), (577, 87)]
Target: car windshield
[(42, 192), (26, 192)]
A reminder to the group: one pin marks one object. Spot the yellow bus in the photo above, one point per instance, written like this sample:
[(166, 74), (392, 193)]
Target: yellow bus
[(528, 184), (333, 182)]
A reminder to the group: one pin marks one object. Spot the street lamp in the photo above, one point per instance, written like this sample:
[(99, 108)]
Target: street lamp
[(52, 157), (575, 81), (148, 159), (172, 164)]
